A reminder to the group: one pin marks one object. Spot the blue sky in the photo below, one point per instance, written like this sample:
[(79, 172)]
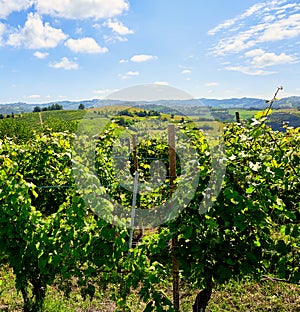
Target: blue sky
[(84, 49)]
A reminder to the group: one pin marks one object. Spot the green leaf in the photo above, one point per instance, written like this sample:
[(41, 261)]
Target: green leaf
[(250, 190)]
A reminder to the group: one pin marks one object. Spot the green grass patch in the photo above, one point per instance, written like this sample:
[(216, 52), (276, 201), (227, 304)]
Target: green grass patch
[(244, 296), (244, 113)]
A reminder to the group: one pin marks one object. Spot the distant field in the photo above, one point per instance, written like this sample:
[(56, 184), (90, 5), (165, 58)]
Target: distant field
[(69, 115), (23, 125), (228, 115), (66, 115), (244, 113)]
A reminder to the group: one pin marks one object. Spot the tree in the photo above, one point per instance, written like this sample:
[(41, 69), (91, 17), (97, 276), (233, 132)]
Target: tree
[(55, 106), (36, 109), (81, 106)]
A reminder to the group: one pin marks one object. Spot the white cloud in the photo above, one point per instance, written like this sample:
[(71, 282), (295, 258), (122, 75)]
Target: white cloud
[(258, 59), (289, 5), (79, 30), (114, 39), (256, 8), (138, 58), (259, 24), (123, 61), (64, 63), (9, 6), (225, 24), (261, 59), (85, 45), (82, 9), (129, 74), (269, 18), (36, 35), (104, 92), (238, 42), (282, 29), (254, 52), (132, 73), (2, 31), (252, 10), (281, 16), (249, 70), (211, 84), (118, 28), (40, 55), (186, 72), (33, 96), (161, 83)]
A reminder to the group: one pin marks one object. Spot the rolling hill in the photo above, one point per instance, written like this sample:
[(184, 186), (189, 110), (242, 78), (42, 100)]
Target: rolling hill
[(246, 103)]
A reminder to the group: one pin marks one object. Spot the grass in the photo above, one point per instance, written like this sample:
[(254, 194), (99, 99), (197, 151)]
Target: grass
[(244, 113), (249, 113), (92, 125), (245, 296), (66, 115), (264, 296)]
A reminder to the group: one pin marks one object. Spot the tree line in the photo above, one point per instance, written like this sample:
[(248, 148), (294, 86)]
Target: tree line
[(52, 107)]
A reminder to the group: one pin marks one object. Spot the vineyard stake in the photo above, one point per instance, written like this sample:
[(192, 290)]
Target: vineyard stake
[(135, 159), (172, 174), (135, 190), (41, 119)]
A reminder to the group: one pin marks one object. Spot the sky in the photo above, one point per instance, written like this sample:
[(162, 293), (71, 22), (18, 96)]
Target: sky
[(87, 49)]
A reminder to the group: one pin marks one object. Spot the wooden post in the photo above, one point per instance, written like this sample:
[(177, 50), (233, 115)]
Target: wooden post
[(237, 117), (134, 144), (172, 174), (136, 167), (135, 188), (128, 144), (41, 119), (172, 155), (132, 222)]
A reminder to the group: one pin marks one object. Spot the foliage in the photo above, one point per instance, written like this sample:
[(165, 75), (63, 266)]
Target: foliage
[(55, 237), (52, 107), (13, 128), (252, 228), (237, 237), (49, 231), (23, 128)]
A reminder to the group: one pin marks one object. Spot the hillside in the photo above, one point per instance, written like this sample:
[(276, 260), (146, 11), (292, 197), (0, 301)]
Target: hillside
[(248, 103)]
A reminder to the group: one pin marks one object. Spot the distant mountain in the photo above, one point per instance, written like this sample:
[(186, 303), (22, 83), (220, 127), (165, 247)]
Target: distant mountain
[(21, 107), (293, 101), (235, 103)]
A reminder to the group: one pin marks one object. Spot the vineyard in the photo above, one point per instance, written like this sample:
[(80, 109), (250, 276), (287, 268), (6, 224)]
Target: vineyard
[(224, 211)]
